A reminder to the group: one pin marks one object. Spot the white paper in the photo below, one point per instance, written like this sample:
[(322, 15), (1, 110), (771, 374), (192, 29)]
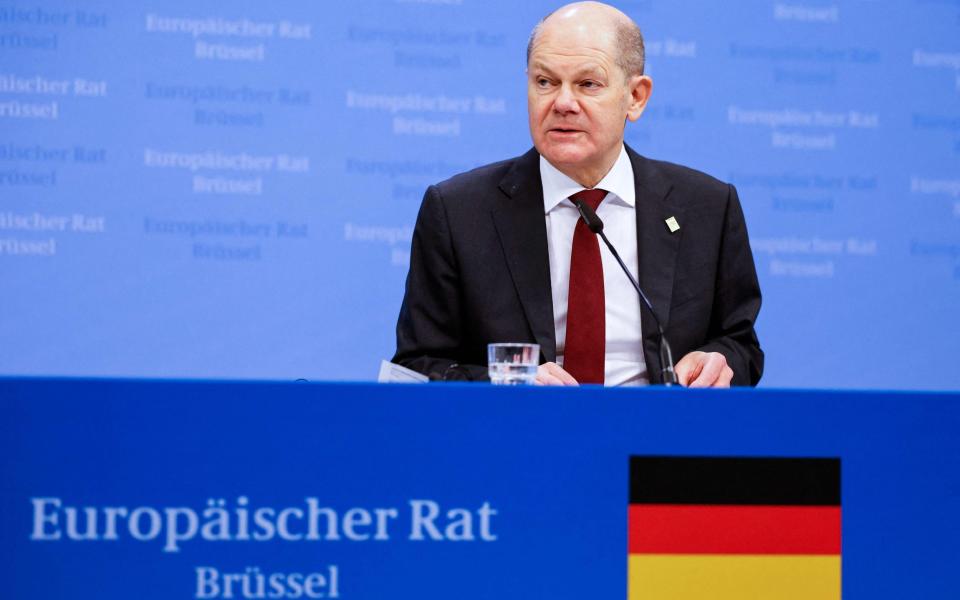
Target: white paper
[(394, 373)]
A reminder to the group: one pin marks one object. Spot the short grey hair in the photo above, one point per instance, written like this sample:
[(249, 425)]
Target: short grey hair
[(630, 51)]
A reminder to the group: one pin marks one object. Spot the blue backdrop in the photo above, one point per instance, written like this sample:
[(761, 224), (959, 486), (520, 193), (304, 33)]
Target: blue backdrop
[(200, 189)]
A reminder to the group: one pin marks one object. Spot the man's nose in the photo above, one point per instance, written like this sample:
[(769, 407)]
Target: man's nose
[(566, 100)]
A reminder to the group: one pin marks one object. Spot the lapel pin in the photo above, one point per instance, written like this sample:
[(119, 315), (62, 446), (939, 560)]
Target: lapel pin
[(672, 224)]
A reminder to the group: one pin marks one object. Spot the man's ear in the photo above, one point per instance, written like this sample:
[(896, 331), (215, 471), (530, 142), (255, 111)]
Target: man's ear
[(640, 88)]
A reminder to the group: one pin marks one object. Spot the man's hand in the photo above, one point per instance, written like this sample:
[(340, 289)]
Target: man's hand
[(703, 369), (553, 374)]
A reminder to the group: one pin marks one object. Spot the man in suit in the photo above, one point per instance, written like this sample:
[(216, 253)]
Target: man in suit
[(499, 253)]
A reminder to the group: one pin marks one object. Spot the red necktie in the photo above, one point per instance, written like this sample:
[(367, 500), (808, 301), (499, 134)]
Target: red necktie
[(584, 352)]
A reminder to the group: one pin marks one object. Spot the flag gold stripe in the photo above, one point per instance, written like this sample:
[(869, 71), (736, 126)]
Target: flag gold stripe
[(733, 577)]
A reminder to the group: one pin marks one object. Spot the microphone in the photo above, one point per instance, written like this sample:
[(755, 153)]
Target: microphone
[(666, 354)]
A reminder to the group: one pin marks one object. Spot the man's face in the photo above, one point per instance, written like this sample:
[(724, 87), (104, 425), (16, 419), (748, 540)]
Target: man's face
[(578, 100)]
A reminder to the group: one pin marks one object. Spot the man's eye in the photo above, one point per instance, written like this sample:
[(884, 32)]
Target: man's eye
[(542, 82), (590, 84)]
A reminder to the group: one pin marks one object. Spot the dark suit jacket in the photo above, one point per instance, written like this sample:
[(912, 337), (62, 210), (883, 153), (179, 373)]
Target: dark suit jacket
[(479, 270)]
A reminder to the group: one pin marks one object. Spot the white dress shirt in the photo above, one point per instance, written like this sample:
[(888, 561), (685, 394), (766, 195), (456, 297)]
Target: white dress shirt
[(624, 364)]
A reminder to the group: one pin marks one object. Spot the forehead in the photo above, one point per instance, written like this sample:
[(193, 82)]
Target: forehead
[(574, 45)]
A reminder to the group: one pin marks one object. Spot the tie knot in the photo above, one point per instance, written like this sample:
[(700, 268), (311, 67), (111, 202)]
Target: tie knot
[(592, 197)]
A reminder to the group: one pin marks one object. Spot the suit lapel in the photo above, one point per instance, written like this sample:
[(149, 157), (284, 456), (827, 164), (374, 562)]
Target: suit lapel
[(656, 245), (518, 217)]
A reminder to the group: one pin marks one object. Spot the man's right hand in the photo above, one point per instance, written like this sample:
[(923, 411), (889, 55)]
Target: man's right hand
[(553, 374)]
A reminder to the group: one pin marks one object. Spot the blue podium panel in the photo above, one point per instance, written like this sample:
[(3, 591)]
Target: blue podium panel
[(124, 489)]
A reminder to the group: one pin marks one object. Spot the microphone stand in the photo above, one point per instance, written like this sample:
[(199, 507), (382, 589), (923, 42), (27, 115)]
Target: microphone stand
[(666, 354)]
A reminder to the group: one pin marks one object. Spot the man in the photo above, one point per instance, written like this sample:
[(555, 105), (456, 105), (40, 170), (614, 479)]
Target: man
[(499, 253)]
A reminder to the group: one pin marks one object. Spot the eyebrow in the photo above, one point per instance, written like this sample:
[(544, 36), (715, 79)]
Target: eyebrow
[(588, 70)]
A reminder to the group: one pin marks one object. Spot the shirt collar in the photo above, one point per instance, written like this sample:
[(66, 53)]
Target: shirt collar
[(557, 187)]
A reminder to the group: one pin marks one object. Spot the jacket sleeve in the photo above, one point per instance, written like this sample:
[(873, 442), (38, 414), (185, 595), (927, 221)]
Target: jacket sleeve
[(736, 300), (430, 326)]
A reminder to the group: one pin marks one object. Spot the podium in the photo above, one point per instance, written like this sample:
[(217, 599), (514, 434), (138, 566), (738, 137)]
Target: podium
[(194, 489)]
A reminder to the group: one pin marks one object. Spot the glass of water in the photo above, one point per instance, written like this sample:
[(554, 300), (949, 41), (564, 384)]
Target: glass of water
[(513, 363)]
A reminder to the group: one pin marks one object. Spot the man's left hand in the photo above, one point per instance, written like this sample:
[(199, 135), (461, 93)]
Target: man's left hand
[(703, 369)]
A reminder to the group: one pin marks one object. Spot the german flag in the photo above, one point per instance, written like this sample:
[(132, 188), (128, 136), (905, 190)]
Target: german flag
[(734, 528)]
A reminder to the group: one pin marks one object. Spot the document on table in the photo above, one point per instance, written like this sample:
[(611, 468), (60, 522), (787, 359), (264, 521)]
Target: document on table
[(394, 373)]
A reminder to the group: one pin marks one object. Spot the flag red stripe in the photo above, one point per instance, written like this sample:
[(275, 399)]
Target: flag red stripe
[(733, 529)]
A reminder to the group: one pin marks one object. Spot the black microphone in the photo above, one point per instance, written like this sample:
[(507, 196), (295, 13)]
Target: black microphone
[(666, 354)]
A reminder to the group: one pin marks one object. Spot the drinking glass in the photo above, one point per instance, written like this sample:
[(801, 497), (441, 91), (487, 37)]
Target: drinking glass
[(513, 363)]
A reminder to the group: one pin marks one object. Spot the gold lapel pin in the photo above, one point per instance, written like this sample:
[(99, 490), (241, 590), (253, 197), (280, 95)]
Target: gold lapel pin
[(672, 224)]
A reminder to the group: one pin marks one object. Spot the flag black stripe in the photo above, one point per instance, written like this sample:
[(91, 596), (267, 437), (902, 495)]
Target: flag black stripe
[(734, 480)]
